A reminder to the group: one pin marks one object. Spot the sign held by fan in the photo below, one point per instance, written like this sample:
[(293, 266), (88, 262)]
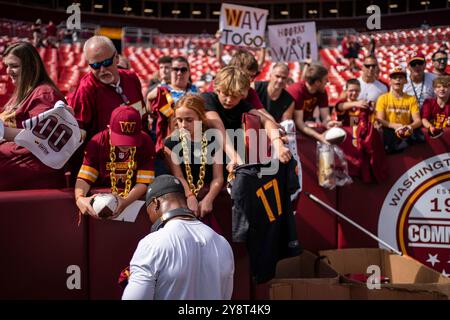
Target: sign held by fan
[(293, 42), (242, 26)]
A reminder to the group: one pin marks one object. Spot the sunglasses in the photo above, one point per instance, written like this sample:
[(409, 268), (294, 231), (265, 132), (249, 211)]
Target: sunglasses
[(368, 66), (105, 63), (417, 63), (441, 60), (182, 69)]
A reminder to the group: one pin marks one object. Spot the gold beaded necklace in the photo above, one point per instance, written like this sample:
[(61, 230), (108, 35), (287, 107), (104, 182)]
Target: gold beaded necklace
[(129, 174), (194, 189)]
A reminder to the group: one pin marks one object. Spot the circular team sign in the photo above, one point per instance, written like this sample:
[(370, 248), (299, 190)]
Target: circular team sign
[(415, 217)]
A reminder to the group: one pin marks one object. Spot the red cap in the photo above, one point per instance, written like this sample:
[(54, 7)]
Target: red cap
[(416, 56), (126, 125)]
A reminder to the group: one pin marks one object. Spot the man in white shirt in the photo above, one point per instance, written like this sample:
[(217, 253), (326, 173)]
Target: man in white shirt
[(420, 83), (371, 88), (182, 259)]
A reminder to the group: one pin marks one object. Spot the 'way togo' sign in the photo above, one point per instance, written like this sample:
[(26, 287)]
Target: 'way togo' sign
[(242, 26), (293, 42)]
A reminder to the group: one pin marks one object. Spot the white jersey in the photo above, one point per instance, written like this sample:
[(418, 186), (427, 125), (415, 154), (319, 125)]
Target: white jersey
[(185, 260), (52, 136), (421, 91), (371, 91), (289, 127)]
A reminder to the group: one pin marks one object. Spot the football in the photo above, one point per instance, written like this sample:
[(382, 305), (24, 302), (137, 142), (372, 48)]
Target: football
[(403, 132), (335, 135), (105, 205)]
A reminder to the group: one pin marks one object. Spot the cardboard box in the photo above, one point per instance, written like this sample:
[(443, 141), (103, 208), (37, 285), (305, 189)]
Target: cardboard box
[(306, 277), (408, 278)]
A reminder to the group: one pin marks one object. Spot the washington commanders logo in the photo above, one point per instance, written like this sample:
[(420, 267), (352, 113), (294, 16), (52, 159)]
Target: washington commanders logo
[(127, 127), (415, 217)]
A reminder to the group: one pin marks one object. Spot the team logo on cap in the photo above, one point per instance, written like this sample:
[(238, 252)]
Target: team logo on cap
[(127, 127), (415, 217)]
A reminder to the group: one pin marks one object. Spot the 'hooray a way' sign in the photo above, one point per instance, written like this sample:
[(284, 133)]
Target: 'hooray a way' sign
[(293, 42), (242, 26)]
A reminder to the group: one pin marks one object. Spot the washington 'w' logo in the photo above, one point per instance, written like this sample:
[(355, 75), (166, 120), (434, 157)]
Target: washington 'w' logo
[(127, 127)]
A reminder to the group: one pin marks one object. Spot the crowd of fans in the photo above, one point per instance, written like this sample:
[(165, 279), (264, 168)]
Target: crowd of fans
[(130, 138)]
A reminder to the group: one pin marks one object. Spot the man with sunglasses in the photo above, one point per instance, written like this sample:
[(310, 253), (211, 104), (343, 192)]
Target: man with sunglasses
[(420, 83), (440, 60), (105, 88), (371, 88)]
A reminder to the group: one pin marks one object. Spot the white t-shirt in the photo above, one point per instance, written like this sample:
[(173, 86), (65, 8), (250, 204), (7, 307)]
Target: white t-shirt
[(52, 136), (421, 91), (185, 260), (371, 91)]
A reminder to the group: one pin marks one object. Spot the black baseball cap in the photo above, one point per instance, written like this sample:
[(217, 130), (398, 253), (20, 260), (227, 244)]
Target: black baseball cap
[(162, 185)]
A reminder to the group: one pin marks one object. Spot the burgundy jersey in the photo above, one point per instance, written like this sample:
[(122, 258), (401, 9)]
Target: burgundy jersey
[(40, 100), (348, 117), (306, 101), (94, 101), (97, 164), (19, 168), (437, 116)]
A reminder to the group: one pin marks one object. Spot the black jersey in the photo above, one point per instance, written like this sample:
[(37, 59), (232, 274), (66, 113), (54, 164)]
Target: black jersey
[(263, 216)]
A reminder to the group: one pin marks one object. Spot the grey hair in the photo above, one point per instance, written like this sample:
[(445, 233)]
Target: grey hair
[(98, 40), (280, 65)]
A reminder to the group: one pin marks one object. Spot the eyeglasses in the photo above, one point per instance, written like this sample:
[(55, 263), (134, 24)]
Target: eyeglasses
[(106, 63), (416, 63), (182, 69), (368, 66), (441, 60)]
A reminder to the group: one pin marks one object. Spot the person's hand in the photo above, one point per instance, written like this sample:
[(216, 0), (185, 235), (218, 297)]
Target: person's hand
[(282, 153), (377, 124), (84, 205), (192, 203), (334, 123), (232, 164), (70, 109), (322, 139), (218, 35), (205, 207), (396, 126), (122, 204), (362, 104)]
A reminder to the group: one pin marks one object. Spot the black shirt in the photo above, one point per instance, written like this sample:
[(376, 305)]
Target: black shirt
[(194, 150), (231, 118), (275, 107)]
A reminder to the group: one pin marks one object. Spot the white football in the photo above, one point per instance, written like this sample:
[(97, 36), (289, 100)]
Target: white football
[(335, 135), (105, 205)]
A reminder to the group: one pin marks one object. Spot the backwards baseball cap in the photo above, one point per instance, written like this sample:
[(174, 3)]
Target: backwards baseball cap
[(397, 70), (126, 125), (162, 185), (416, 56)]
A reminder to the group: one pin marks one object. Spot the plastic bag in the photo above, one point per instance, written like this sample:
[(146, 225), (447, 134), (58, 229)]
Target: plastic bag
[(332, 168)]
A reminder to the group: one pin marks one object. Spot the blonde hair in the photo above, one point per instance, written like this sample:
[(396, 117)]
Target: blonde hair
[(443, 80), (194, 102), (231, 81)]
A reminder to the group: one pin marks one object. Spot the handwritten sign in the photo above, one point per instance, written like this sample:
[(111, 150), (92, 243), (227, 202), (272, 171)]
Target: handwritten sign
[(293, 42), (242, 26)]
